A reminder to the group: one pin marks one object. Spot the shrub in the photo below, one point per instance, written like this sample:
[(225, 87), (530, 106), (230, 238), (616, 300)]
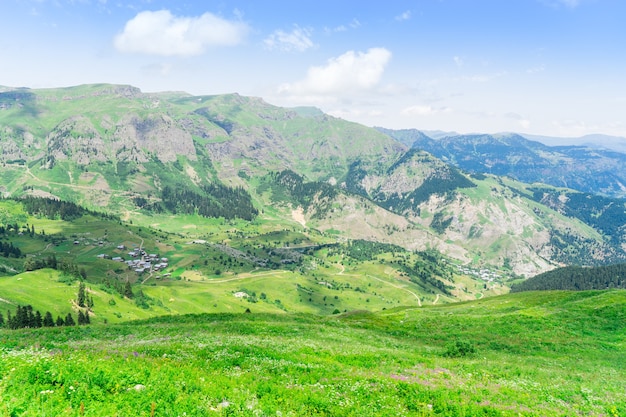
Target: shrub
[(459, 348)]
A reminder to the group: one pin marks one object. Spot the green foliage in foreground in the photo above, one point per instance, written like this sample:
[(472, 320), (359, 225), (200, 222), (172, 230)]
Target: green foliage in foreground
[(532, 354)]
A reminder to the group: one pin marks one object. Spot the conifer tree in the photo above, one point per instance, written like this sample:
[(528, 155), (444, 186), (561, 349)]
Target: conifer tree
[(1, 320), (21, 317), (30, 317), (48, 321), (81, 295), (69, 320), (38, 320), (128, 290), (60, 321), (81, 318)]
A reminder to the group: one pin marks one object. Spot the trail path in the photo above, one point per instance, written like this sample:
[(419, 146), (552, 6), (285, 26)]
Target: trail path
[(5, 301), (436, 299), (243, 276), (400, 287), (46, 248)]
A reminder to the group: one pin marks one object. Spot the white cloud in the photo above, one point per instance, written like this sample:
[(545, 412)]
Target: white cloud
[(299, 40), (161, 33), (404, 16), (424, 110), (347, 73), (354, 24), (458, 61)]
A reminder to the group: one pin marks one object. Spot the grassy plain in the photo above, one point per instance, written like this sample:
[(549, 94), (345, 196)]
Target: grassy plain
[(532, 354)]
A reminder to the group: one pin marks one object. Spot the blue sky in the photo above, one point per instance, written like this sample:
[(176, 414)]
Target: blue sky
[(551, 67)]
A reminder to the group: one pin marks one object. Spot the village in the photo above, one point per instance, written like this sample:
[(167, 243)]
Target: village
[(141, 261)]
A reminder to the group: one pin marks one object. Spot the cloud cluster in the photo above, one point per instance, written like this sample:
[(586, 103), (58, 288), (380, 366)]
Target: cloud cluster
[(298, 40), (162, 33), (347, 73)]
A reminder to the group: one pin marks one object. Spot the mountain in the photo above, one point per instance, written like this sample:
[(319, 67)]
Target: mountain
[(605, 142), (151, 158), (583, 168)]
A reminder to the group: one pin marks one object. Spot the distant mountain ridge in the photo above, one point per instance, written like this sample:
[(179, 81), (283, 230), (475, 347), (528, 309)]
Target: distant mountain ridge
[(582, 168), (595, 141)]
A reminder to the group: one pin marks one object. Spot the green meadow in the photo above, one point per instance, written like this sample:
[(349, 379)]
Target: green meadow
[(525, 354)]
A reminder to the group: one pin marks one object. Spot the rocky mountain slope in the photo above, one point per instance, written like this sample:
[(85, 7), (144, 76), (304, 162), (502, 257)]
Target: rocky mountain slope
[(115, 148)]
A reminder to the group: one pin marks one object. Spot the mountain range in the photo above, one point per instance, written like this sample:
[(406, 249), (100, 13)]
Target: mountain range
[(591, 169), (475, 198)]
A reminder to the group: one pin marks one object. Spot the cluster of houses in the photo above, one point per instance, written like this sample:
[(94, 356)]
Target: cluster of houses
[(140, 261), (484, 274)]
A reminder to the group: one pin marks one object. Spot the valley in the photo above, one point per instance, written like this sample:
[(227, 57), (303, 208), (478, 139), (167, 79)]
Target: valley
[(236, 258)]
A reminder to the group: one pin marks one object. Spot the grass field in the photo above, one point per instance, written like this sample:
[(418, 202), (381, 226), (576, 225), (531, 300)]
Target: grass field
[(527, 354)]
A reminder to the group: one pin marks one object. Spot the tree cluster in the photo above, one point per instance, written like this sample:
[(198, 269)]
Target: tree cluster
[(9, 251), (576, 278), (52, 209), (213, 200), (25, 317), (365, 250), (608, 215), (289, 186), (63, 265)]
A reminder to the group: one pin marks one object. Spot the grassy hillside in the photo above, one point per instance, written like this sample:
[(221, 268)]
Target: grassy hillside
[(213, 265), (529, 354)]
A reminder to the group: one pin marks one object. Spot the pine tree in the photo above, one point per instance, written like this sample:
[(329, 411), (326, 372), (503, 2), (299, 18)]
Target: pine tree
[(21, 317), (128, 290), (60, 321), (10, 320), (81, 318), (1, 320), (48, 321), (69, 320), (30, 320), (87, 320), (38, 320), (81, 294)]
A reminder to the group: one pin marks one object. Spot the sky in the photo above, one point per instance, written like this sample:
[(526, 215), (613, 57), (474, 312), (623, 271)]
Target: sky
[(544, 67)]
